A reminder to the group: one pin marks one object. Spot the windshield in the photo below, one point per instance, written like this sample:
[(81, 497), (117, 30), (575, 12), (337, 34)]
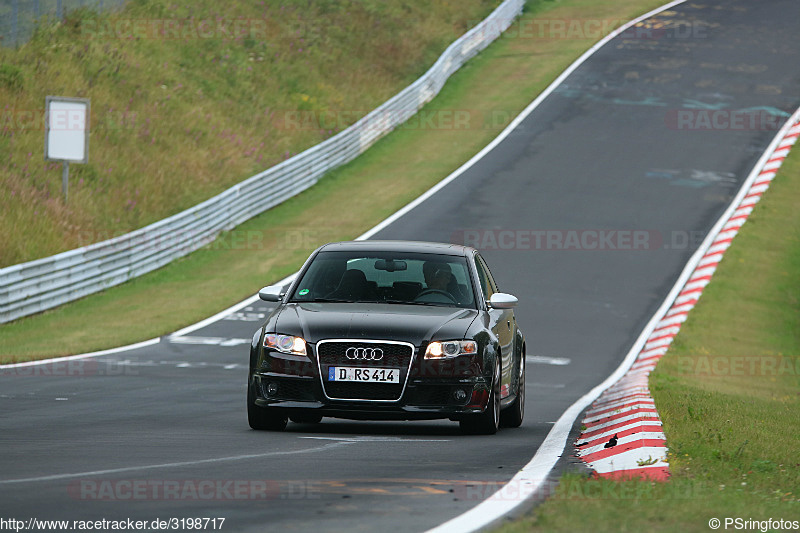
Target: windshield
[(387, 277)]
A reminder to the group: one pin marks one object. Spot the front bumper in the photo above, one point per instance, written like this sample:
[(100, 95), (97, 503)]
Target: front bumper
[(422, 399)]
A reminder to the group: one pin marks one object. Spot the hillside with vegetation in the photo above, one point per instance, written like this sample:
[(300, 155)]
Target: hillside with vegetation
[(189, 98)]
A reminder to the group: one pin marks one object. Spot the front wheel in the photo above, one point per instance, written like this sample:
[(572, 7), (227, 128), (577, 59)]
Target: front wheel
[(512, 416), (488, 421), (263, 418)]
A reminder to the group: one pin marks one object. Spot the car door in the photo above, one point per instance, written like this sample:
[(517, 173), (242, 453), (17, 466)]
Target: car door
[(501, 323)]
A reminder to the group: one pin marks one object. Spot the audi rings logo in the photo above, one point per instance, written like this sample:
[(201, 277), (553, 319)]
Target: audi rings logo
[(364, 354)]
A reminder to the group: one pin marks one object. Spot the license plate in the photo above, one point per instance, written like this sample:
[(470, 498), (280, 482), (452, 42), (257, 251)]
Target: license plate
[(363, 375)]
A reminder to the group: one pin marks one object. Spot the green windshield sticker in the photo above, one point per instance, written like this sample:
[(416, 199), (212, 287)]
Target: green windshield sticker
[(304, 292)]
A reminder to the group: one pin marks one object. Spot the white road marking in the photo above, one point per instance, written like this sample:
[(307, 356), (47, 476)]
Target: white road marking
[(177, 364), (202, 364), (210, 341), (246, 317), (547, 385), (542, 360), (232, 309), (83, 355), (55, 477)]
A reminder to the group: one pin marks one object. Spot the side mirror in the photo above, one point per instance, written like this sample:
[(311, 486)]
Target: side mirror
[(273, 293), (501, 300)]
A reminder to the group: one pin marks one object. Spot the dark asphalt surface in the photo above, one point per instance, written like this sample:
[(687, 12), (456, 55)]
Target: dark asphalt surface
[(615, 148)]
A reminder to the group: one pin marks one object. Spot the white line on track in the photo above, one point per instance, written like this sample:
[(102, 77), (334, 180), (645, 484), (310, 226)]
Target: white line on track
[(135, 346), (173, 363), (246, 316), (92, 473), (547, 385), (542, 360), (210, 341)]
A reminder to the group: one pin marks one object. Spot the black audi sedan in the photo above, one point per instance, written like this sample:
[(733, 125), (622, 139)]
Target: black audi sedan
[(389, 330)]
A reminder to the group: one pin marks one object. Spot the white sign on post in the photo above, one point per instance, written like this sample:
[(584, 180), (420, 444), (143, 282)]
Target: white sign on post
[(66, 133)]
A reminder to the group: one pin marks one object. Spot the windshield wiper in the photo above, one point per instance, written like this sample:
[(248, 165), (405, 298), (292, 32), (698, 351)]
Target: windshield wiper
[(329, 300), (406, 302)]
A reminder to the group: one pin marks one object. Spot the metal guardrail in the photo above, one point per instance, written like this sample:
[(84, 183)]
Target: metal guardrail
[(32, 287)]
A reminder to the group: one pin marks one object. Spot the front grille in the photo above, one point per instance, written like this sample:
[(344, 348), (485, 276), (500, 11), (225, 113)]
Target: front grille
[(395, 355)]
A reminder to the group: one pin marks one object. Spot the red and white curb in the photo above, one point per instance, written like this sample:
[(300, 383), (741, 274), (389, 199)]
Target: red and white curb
[(622, 435)]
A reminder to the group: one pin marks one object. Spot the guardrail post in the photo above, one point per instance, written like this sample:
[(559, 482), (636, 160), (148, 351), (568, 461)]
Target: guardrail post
[(65, 179)]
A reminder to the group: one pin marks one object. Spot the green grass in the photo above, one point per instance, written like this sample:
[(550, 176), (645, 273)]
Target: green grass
[(397, 169), (180, 116), (728, 393)]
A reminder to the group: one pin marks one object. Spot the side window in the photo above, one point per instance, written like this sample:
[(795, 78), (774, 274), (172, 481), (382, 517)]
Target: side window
[(488, 286), (492, 282)]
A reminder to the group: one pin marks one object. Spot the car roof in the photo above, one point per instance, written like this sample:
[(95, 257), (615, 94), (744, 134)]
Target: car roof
[(398, 246)]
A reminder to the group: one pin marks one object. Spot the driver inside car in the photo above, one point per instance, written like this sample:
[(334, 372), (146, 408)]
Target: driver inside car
[(438, 277)]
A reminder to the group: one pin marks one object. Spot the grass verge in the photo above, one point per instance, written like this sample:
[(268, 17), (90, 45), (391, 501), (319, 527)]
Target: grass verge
[(491, 89), (728, 392)]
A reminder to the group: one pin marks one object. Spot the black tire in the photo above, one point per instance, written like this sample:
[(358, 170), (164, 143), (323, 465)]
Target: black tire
[(263, 418), (511, 417), (306, 418), (487, 422)]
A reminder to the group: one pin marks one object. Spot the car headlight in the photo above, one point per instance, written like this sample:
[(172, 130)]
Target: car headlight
[(445, 349), (285, 343)]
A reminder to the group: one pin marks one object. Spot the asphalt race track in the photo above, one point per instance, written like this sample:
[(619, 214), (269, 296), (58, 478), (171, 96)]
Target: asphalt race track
[(649, 139)]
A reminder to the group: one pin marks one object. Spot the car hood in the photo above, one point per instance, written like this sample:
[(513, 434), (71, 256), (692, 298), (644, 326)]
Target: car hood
[(398, 322)]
